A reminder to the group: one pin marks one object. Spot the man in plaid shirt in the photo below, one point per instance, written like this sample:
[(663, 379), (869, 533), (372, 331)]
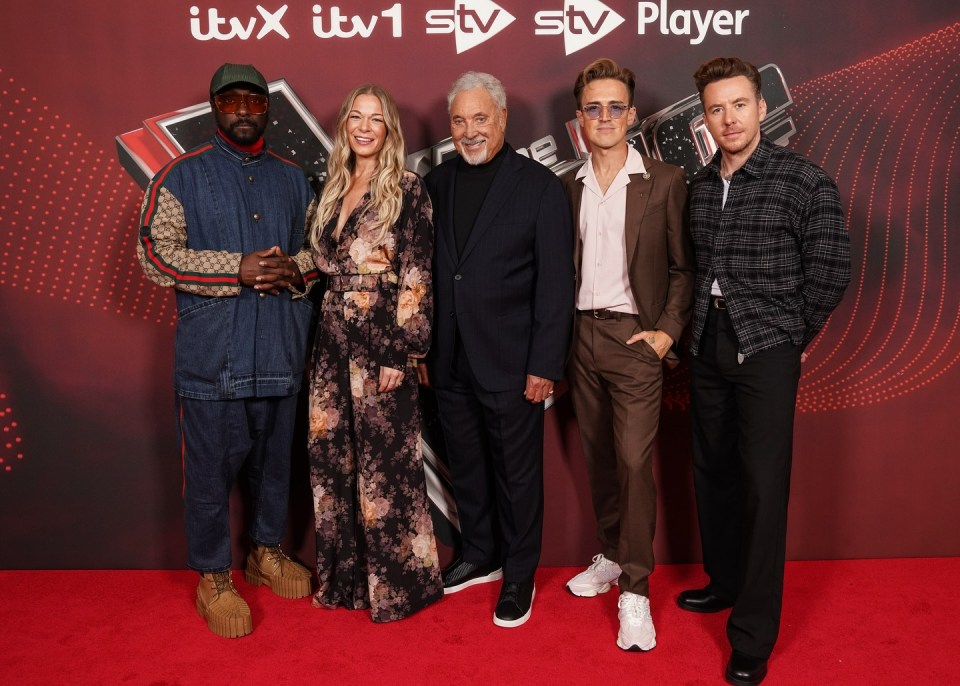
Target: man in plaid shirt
[(773, 260)]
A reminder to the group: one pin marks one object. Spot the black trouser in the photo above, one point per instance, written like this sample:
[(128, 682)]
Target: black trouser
[(495, 448), (742, 449)]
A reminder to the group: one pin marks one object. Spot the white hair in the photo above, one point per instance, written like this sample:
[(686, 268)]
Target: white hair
[(478, 79)]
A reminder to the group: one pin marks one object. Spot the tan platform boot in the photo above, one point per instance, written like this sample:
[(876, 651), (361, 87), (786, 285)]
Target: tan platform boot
[(268, 565), (218, 602)]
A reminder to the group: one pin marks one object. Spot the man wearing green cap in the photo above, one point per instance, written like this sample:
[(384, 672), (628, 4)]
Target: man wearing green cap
[(224, 225)]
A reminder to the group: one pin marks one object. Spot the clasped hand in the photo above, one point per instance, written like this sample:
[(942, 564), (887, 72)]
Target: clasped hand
[(270, 271)]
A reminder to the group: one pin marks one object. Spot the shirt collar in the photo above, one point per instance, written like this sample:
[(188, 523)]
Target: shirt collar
[(242, 152), (633, 165), (754, 164)]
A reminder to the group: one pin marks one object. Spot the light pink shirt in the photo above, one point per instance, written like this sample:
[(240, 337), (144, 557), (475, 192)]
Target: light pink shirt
[(604, 282)]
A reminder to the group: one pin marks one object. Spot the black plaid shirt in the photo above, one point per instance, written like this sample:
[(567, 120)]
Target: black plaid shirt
[(778, 248)]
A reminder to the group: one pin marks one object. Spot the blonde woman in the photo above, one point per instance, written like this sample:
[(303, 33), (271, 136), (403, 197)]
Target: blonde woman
[(373, 237)]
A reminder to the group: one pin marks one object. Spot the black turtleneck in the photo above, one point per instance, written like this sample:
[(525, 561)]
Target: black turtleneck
[(469, 191)]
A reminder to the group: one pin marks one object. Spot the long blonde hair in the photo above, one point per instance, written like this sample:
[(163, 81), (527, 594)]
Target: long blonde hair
[(386, 197)]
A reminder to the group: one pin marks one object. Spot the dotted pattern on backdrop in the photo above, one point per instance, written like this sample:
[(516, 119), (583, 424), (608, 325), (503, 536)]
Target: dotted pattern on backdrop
[(69, 213), (11, 450), (887, 130)]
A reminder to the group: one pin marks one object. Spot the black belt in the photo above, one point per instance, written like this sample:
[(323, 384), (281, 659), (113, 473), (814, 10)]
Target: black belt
[(608, 314), (718, 303)]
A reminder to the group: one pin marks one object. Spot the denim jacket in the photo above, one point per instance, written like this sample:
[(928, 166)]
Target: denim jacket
[(201, 213)]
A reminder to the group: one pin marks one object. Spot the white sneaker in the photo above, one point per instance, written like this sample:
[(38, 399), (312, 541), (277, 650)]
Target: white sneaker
[(595, 579), (636, 624)]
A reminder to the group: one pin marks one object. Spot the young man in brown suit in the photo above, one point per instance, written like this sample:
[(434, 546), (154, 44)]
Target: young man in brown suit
[(635, 270)]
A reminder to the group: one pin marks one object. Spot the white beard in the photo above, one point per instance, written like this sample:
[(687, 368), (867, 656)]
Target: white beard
[(475, 156)]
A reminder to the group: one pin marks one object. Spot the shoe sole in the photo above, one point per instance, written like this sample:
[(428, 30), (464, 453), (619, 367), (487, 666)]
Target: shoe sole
[(730, 679), (634, 648), (514, 623), (225, 627), (592, 592), (492, 576), (700, 610), (287, 588)]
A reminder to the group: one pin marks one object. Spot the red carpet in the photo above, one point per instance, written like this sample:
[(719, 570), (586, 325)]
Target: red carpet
[(845, 622)]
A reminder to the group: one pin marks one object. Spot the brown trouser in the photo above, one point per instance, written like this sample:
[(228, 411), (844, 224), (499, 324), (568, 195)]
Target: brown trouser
[(616, 390)]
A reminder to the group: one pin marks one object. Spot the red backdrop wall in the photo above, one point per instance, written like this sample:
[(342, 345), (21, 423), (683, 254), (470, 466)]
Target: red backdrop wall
[(90, 475)]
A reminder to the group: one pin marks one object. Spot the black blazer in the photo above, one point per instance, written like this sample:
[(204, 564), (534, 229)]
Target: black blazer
[(510, 295)]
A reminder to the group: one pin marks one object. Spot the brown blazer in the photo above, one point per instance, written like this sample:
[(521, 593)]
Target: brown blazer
[(659, 250)]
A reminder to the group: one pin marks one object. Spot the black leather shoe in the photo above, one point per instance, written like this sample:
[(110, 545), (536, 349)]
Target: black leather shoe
[(701, 600), (743, 670), (515, 604), (462, 574)]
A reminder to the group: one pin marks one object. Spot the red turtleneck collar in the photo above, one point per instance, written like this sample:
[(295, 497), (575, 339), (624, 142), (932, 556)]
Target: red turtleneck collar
[(253, 149)]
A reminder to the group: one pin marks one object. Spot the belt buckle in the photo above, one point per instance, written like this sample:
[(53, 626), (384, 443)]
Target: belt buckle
[(719, 303), (598, 314)]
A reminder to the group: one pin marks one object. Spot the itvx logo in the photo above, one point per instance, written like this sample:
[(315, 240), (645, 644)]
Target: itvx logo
[(472, 22), (330, 24), (239, 28)]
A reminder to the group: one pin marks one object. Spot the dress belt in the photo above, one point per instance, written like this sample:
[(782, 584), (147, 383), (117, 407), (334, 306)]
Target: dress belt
[(382, 281), (608, 314)]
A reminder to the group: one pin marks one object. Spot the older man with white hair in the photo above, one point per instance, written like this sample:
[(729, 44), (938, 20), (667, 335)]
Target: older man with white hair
[(503, 287)]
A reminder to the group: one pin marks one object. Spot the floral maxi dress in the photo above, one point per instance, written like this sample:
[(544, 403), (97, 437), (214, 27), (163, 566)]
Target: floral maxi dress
[(375, 542)]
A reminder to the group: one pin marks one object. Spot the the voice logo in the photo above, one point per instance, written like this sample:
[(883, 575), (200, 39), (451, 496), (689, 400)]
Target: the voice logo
[(581, 22)]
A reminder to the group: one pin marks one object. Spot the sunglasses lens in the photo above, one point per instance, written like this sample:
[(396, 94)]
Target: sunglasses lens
[(613, 111), (257, 104), (229, 104)]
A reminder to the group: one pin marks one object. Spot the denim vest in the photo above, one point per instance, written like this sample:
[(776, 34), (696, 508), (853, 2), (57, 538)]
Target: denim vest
[(244, 346)]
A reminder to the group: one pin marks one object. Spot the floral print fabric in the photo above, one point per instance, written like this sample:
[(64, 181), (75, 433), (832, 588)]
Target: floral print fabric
[(375, 542)]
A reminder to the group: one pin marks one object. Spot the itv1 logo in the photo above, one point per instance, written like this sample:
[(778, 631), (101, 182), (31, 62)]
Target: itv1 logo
[(473, 22)]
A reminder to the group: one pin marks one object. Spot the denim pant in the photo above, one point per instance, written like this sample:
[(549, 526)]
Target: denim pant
[(217, 438)]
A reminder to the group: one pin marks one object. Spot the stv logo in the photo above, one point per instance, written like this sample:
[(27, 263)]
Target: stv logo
[(582, 23), (472, 22)]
